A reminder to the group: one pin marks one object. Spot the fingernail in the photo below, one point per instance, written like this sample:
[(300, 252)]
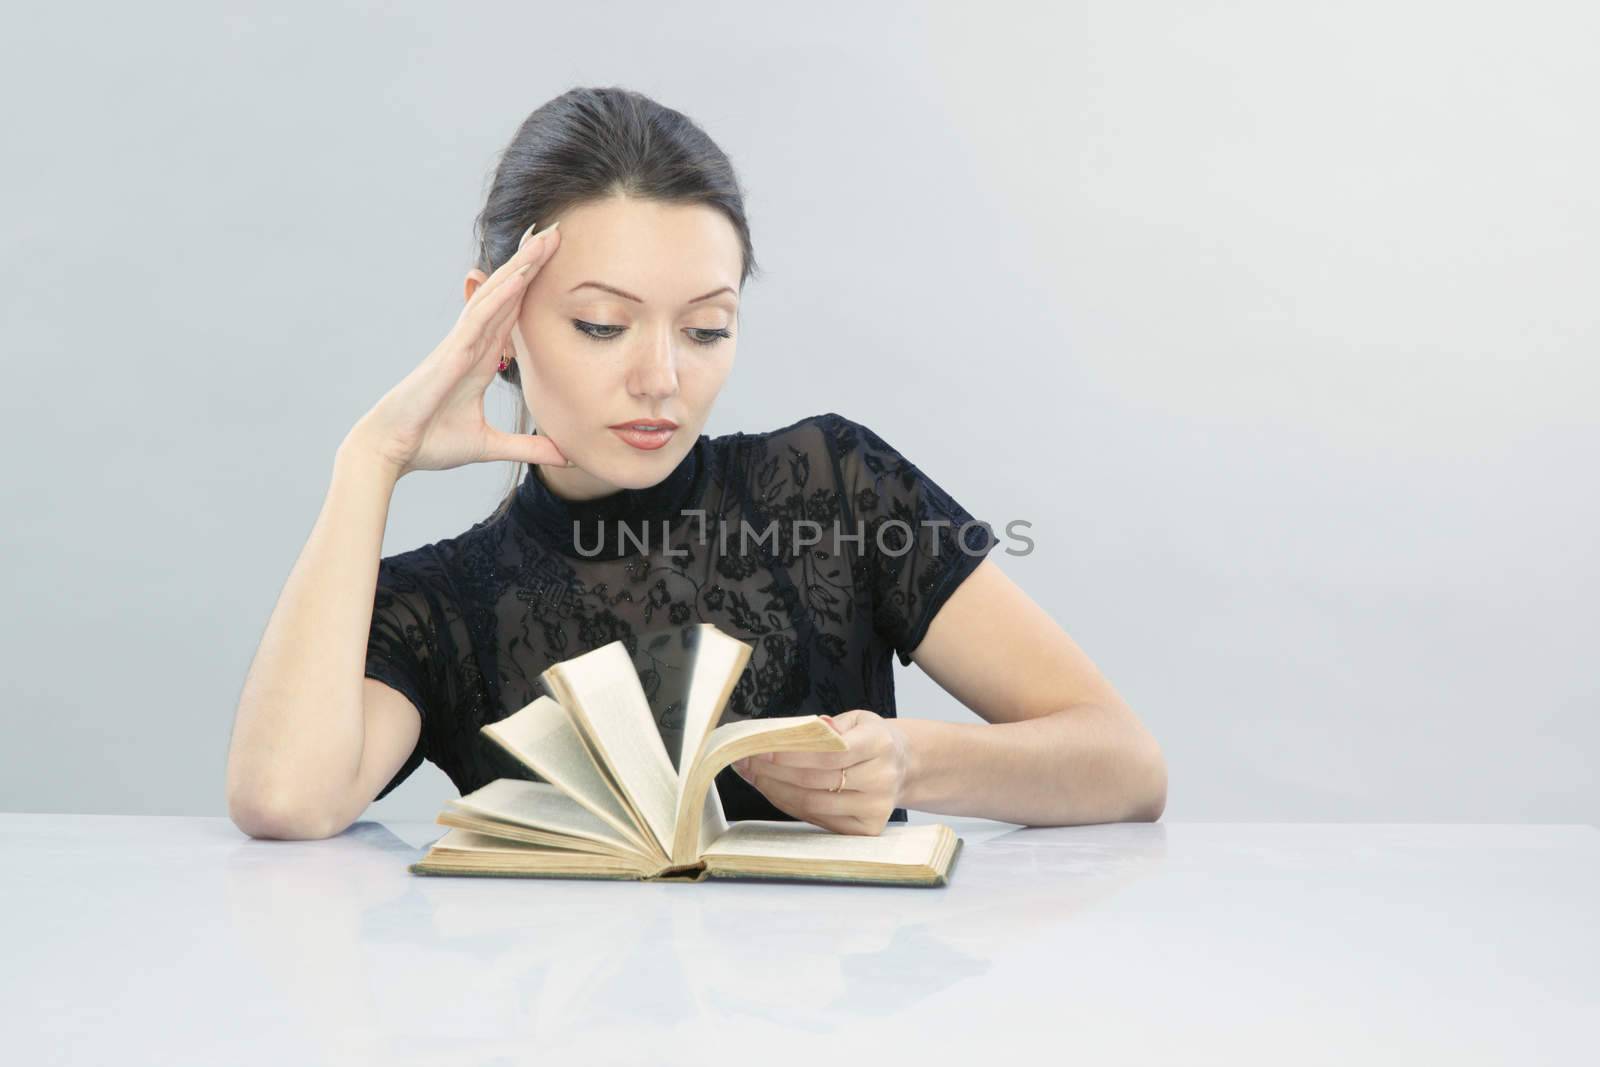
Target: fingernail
[(524, 238)]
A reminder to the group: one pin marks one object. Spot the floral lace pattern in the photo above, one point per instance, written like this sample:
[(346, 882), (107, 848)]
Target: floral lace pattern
[(787, 540)]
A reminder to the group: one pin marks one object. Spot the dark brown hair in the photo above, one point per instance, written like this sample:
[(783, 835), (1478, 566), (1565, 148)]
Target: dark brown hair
[(591, 144)]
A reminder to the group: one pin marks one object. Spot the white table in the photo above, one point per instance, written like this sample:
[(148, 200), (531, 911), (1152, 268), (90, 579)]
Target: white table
[(172, 940)]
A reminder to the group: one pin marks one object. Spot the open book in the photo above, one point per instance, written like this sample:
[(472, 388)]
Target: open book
[(613, 805)]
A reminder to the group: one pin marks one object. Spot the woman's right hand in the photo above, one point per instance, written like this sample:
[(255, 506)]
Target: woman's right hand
[(433, 419)]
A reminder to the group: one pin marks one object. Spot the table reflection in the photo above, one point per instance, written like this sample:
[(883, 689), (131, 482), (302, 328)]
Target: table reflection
[(366, 952)]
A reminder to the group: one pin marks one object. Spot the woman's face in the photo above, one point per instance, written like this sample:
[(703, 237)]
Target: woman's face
[(658, 343)]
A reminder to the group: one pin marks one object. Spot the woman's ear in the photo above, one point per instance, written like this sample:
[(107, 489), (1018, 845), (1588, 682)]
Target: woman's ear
[(475, 278)]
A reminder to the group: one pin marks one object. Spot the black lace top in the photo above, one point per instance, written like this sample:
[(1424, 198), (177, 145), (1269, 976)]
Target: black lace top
[(464, 627)]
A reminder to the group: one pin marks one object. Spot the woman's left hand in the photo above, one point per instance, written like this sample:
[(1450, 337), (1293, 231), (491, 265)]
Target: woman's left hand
[(875, 767)]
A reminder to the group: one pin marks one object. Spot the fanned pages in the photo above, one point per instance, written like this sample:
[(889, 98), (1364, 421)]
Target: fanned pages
[(469, 852), (614, 806), (601, 691), (718, 661), (542, 736), (536, 812)]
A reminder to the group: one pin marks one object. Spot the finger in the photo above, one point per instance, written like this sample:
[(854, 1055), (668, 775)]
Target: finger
[(501, 334), (522, 265), (796, 803), (859, 745), (502, 320), (857, 824), (741, 768), (471, 353), (779, 764), (862, 777), (498, 332), (529, 232), (523, 448), (808, 804), (487, 288), (851, 719), (530, 249), (827, 761), (480, 319)]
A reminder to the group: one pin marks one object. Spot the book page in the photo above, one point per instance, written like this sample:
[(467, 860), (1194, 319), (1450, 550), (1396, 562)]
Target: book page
[(733, 740), (468, 852), (898, 844), (544, 738), (601, 691), (472, 841), (719, 660), (542, 806), (713, 820)]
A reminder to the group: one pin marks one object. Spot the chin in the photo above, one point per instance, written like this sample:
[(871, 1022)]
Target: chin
[(660, 461), (640, 470)]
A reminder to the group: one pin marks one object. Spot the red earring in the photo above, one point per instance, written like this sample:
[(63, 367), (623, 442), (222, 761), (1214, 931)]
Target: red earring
[(505, 361)]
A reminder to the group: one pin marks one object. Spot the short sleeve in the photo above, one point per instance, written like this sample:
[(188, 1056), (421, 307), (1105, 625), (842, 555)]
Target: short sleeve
[(404, 641), (919, 544)]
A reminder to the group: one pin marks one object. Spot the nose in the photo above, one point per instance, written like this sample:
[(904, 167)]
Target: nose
[(654, 372)]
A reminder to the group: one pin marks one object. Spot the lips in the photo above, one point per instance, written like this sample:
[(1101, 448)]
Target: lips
[(646, 424), (646, 440)]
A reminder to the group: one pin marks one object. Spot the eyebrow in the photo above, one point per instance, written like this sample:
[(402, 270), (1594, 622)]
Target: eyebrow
[(629, 296)]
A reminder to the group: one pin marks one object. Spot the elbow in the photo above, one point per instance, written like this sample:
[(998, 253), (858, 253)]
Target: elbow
[(1150, 783), (275, 815)]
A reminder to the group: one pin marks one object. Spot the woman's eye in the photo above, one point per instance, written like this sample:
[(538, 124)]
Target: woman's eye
[(711, 338), (596, 332), (589, 329)]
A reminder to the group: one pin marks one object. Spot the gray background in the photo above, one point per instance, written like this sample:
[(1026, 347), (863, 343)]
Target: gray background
[(1276, 321)]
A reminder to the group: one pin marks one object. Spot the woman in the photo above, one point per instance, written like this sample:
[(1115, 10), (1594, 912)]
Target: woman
[(628, 314)]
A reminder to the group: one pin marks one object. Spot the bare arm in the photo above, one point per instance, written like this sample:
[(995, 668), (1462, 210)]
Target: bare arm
[(1060, 748), (295, 764), (314, 739)]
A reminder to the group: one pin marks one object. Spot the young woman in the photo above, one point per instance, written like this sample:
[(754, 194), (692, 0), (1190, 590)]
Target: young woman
[(618, 330)]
